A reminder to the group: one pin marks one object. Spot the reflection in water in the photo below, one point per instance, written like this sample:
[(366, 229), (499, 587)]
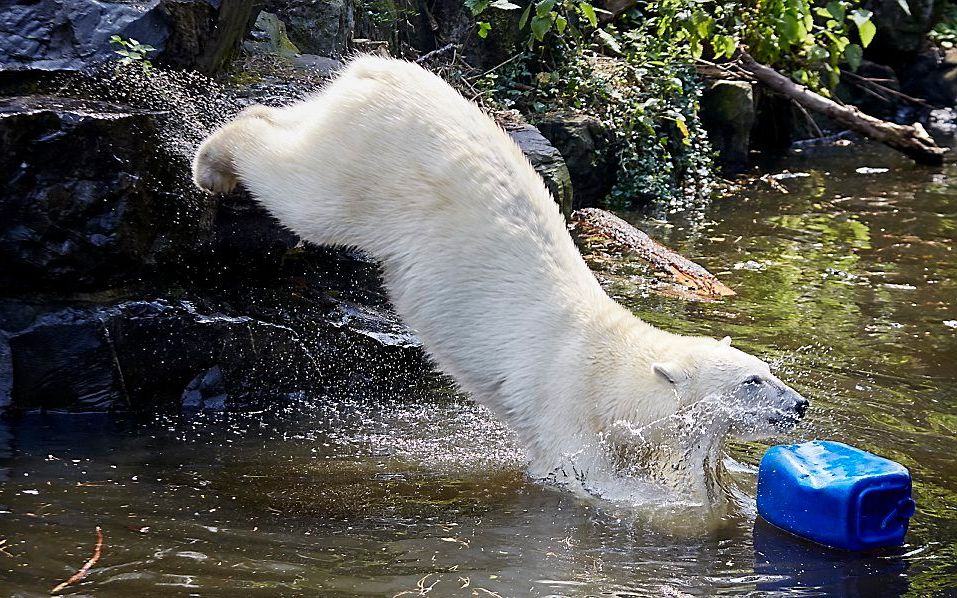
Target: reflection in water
[(846, 285)]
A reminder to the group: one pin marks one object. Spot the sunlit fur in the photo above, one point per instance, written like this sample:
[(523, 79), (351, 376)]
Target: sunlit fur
[(475, 255)]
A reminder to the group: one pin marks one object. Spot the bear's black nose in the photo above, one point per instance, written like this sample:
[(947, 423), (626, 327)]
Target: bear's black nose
[(801, 406)]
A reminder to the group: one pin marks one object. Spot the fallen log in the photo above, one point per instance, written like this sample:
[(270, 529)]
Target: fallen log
[(912, 140), (625, 238)]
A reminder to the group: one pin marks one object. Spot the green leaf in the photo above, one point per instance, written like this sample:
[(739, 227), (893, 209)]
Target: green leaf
[(541, 26), (853, 55), (837, 10), (476, 6), (683, 128), (724, 45), (524, 19), (904, 6), (609, 41), (483, 29), (543, 8), (589, 11), (504, 5), (866, 31), (793, 29), (560, 23), (861, 16)]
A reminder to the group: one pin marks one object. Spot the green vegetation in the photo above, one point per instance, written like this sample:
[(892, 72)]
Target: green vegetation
[(133, 52), (644, 97), (636, 72), (945, 33)]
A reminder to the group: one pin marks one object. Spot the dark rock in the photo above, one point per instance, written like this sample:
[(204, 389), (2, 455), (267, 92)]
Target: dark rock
[(585, 146), (548, 162), (864, 88), (323, 27), (324, 67), (942, 125), (269, 36), (6, 373), (932, 76), (72, 35), (247, 236), (728, 114), (899, 34), (774, 122), (144, 355), (206, 392), (79, 202)]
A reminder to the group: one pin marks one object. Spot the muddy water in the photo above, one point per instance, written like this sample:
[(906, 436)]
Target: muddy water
[(848, 283)]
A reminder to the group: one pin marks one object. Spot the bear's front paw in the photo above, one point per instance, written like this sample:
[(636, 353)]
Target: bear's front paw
[(213, 169), (211, 177)]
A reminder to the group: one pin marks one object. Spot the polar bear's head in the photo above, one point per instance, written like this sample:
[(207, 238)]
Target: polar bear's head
[(733, 388)]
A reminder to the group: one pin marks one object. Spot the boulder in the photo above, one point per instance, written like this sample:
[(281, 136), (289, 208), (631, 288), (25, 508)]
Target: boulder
[(144, 355), (73, 35), (81, 200), (586, 146), (728, 115), (932, 76), (77, 204), (900, 34), (547, 160), (323, 27)]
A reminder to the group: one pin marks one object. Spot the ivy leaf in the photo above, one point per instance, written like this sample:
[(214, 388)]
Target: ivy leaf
[(504, 5), (837, 10), (793, 29), (476, 6), (609, 41), (589, 11), (483, 29), (560, 23), (683, 128), (724, 45), (853, 55), (904, 6), (540, 26), (865, 28), (543, 8), (524, 19)]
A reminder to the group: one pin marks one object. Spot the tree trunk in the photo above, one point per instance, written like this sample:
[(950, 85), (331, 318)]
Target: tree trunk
[(912, 140)]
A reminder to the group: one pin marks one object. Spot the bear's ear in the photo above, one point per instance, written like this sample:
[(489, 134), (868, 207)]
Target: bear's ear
[(726, 341), (669, 371)]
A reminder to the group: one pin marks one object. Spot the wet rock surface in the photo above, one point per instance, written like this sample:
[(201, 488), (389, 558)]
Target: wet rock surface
[(71, 35), (727, 112), (79, 199), (548, 163), (144, 355), (317, 27), (124, 289), (585, 145)]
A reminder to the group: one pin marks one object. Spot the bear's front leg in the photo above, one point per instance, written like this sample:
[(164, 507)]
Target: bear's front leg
[(214, 167)]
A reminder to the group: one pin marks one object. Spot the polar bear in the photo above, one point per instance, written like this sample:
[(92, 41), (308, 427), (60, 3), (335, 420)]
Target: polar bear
[(477, 260)]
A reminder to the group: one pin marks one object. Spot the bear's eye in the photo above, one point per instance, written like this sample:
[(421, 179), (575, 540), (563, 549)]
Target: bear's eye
[(754, 380)]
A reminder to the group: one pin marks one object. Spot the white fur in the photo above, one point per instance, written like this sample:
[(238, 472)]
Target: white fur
[(475, 254)]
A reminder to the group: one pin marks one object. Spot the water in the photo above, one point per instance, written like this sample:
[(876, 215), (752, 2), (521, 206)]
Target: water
[(848, 284)]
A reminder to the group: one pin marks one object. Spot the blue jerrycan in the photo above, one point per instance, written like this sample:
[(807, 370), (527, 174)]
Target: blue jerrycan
[(835, 494)]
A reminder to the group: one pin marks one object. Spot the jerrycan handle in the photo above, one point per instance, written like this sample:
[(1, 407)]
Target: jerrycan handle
[(904, 509)]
